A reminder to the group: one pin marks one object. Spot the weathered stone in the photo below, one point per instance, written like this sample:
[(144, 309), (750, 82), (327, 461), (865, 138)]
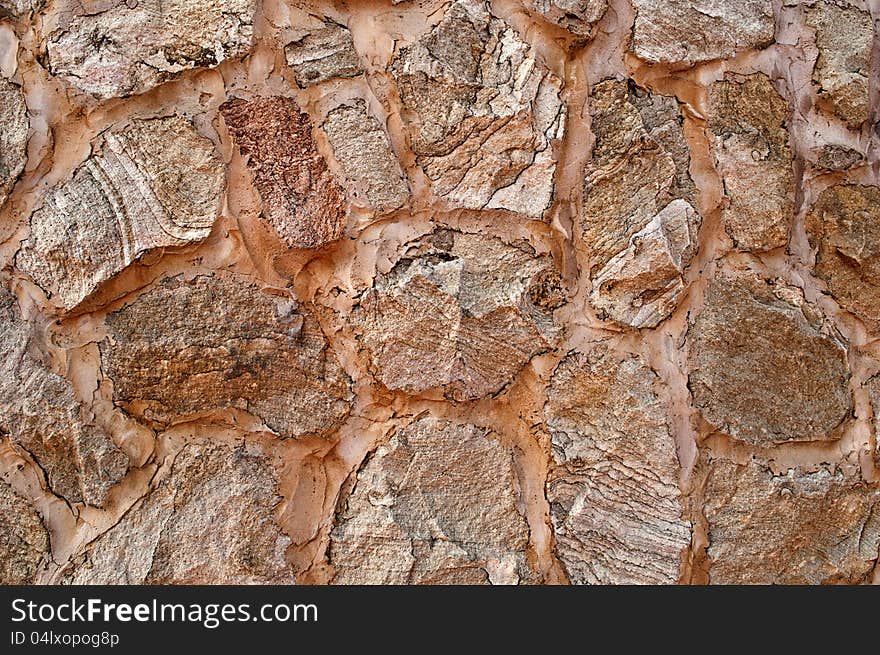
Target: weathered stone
[(577, 16), (638, 221), (188, 347), (131, 47), (155, 184), (40, 412), (844, 226), (301, 198), (481, 112), (24, 541), (762, 369), (462, 312), (691, 31), (13, 136), (838, 158), (748, 119), (799, 527), (438, 504), (613, 490), (323, 54), (364, 152), (210, 521), (844, 36), (18, 8)]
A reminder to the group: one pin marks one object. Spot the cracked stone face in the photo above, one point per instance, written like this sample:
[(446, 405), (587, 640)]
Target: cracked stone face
[(362, 148), (691, 31), (437, 504), (798, 527), (748, 120), (462, 312), (24, 541), (122, 50), (41, 413), (210, 521), (577, 16), (843, 35), (638, 219), (189, 347), (743, 375), (323, 54), (302, 200), (481, 112), (613, 486), (157, 183), (14, 126)]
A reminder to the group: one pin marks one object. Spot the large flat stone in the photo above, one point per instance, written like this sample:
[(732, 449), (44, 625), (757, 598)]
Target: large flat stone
[(14, 126)]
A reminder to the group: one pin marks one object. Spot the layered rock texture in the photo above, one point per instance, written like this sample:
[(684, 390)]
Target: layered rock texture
[(440, 292)]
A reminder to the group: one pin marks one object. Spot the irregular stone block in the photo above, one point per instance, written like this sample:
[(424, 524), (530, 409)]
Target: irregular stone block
[(14, 126), (762, 368), (18, 8), (481, 112), (154, 184), (364, 152), (188, 347), (638, 221), (796, 528), (838, 158), (463, 312), (24, 541), (748, 119), (122, 50), (438, 504), (40, 412), (691, 31), (844, 36), (323, 54), (844, 226), (613, 489), (301, 198), (210, 521), (577, 16)]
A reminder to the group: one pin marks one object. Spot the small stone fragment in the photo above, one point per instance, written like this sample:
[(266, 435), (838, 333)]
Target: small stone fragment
[(323, 54), (364, 152), (210, 521), (154, 184), (131, 47), (761, 369), (577, 16), (795, 528), (438, 504), (838, 158), (463, 312), (13, 136), (481, 112), (189, 347), (844, 36), (24, 541), (844, 226), (749, 119), (691, 31), (40, 412), (301, 198), (613, 490)]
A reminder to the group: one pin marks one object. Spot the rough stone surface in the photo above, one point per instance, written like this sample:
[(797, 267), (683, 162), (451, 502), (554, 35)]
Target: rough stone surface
[(130, 47), (481, 112), (323, 54), (437, 504), (157, 183), (691, 31), (24, 541), (748, 119), (211, 521), (844, 35), (844, 227), (301, 198), (40, 412), (576, 16), (364, 152), (13, 136), (189, 347), (838, 158), (743, 375), (798, 527), (461, 312), (613, 490)]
